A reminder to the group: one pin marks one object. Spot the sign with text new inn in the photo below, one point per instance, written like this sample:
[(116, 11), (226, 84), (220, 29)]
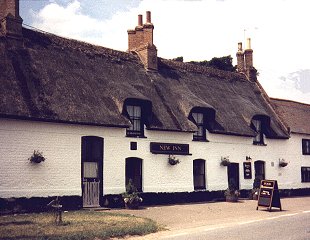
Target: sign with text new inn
[(169, 148)]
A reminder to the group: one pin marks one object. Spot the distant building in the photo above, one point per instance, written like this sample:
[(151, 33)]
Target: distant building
[(101, 117)]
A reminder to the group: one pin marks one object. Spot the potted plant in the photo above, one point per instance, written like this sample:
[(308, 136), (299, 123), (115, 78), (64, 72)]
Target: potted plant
[(225, 161), (232, 193), (172, 160), (131, 197), (255, 190), (37, 157)]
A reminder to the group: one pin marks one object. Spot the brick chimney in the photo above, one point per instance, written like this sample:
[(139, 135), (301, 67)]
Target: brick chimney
[(140, 41), (10, 20), (245, 61), (248, 56), (240, 58)]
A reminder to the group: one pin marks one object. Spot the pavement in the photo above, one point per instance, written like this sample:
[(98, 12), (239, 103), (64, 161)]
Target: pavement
[(178, 219)]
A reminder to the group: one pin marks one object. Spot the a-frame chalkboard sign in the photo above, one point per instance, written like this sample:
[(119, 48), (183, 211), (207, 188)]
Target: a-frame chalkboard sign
[(269, 195)]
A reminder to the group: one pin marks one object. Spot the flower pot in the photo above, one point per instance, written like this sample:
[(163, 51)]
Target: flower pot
[(129, 204), (232, 198)]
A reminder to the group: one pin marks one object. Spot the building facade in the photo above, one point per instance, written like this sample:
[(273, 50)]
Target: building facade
[(102, 118)]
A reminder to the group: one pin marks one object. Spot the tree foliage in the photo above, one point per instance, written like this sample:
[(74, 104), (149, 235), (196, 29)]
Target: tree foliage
[(222, 63)]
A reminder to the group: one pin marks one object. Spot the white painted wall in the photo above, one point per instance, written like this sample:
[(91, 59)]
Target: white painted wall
[(60, 174)]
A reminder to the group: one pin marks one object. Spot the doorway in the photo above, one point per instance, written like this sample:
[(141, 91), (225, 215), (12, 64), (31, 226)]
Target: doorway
[(92, 170), (134, 173), (233, 176), (259, 167)]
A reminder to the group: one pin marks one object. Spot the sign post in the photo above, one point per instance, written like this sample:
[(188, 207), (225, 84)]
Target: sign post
[(269, 195)]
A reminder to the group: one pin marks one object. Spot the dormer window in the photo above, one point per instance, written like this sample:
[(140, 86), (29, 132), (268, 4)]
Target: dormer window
[(139, 113), (261, 125), (135, 116), (259, 138), (200, 134)]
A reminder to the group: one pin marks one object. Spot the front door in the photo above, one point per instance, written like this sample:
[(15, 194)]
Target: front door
[(233, 176), (92, 158), (259, 167)]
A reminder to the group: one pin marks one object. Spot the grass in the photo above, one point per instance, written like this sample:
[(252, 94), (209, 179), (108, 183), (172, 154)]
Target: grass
[(76, 225)]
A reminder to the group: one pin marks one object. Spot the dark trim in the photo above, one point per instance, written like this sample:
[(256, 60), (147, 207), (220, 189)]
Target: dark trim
[(259, 144), (204, 140), (300, 133), (37, 204)]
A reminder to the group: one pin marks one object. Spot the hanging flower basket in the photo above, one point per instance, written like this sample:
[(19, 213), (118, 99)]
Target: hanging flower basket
[(172, 160), (225, 161), (37, 157), (282, 163)]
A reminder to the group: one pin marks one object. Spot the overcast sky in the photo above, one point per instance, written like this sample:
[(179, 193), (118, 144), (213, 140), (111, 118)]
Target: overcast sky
[(196, 30)]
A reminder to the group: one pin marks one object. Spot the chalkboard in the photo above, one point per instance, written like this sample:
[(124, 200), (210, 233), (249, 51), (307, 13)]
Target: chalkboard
[(247, 170), (269, 195)]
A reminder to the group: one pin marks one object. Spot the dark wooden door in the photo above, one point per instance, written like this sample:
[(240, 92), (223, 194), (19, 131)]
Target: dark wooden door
[(233, 175), (92, 161)]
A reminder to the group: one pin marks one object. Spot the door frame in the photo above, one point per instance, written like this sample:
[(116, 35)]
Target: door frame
[(99, 161)]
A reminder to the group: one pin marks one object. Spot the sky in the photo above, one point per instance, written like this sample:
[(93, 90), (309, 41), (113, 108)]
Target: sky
[(197, 30)]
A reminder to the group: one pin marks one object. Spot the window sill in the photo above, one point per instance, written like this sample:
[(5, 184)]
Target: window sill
[(133, 136), (200, 140), (200, 190), (259, 144)]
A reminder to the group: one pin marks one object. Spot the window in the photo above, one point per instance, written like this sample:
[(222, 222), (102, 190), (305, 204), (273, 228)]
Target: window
[(306, 146), (135, 116), (199, 174), (200, 134), (305, 174), (134, 172), (259, 138)]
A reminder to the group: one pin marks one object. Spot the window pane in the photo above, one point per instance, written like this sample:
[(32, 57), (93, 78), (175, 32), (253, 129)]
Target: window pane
[(137, 111), (130, 111), (134, 113), (258, 127), (200, 133)]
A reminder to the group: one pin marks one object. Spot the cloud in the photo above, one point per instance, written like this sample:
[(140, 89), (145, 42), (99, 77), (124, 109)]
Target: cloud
[(200, 30)]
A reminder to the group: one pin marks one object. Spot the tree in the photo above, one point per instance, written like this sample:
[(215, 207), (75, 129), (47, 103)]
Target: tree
[(222, 63)]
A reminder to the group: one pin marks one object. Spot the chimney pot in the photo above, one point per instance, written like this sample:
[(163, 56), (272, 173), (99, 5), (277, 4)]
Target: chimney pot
[(240, 46), (148, 16), (248, 42), (140, 21)]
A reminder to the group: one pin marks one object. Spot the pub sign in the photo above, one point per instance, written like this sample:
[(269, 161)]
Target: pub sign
[(169, 148), (247, 170)]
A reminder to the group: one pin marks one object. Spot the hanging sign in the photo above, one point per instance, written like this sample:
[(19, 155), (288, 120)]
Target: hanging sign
[(169, 148), (247, 170), (269, 195)]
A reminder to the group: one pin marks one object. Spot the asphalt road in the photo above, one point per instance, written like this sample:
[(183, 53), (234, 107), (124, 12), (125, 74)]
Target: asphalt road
[(283, 227), (229, 221)]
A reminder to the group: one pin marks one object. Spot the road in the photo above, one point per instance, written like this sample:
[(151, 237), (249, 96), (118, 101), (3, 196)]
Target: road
[(283, 227), (229, 221)]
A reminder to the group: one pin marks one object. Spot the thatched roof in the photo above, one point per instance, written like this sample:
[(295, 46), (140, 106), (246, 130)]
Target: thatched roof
[(295, 115), (63, 80)]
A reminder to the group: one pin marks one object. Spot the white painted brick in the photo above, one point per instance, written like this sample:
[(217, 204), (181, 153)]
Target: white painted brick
[(60, 174)]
